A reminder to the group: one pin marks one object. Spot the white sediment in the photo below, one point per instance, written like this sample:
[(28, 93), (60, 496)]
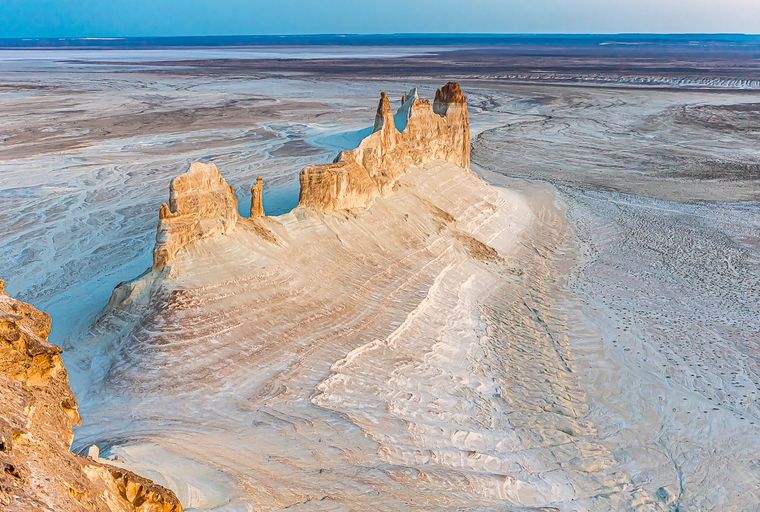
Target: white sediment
[(372, 360), (358, 360)]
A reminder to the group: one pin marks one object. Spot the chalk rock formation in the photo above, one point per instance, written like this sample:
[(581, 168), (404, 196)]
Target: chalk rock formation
[(357, 177), (201, 204), (39, 472), (257, 198), (382, 109)]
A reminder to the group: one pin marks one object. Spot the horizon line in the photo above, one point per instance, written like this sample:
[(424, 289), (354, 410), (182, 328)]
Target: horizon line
[(364, 34)]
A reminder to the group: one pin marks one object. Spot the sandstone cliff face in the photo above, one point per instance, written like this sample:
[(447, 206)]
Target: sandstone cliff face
[(201, 204), (356, 178), (39, 472)]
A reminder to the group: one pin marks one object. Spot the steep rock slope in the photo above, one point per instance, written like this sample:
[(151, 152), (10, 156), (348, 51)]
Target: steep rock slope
[(202, 204), (39, 472)]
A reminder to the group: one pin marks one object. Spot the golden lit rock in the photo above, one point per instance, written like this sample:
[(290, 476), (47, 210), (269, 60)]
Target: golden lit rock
[(357, 177), (39, 472)]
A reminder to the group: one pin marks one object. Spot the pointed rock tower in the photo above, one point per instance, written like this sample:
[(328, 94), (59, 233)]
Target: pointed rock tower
[(257, 198)]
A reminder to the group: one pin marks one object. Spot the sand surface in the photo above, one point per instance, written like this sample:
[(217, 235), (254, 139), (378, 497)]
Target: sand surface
[(384, 360), (663, 297)]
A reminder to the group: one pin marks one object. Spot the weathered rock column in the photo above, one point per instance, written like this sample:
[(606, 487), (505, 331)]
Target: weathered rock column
[(201, 204), (257, 202), (438, 131)]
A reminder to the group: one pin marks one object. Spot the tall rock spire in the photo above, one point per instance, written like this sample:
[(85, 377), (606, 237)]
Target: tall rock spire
[(432, 132), (384, 114), (257, 198)]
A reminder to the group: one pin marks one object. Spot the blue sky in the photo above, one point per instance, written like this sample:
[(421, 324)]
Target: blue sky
[(103, 18)]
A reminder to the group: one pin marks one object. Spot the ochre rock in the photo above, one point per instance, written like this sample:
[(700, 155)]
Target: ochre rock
[(38, 472), (201, 204), (449, 94), (357, 177), (257, 198), (383, 111)]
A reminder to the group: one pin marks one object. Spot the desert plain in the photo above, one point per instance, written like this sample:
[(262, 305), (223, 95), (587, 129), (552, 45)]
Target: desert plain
[(571, 324)]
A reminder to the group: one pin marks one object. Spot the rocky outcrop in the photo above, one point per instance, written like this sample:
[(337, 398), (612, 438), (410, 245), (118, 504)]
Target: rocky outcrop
[(143, 494), (449, 95), (257, 198), (39, 472), (201, 204), (433, 132), (382, 109)]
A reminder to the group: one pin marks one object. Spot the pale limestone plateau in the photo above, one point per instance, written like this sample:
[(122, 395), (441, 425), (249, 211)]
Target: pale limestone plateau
[(375, 349), (638, 265), (39, 472)]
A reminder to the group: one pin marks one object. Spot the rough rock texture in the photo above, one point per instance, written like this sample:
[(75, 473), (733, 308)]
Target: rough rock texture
[(357, 177), (382, 108), (201, 204), (449, 94), (257, 196), (39, 472), (405, 356)]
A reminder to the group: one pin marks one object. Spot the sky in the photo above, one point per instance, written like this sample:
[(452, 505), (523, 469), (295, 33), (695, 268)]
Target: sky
[(120, 18)]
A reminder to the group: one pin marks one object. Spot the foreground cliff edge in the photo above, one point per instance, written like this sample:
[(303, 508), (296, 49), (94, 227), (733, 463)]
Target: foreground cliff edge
[(40, 473)]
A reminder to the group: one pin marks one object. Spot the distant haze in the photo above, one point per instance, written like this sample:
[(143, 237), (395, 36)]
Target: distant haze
[(107, 18)]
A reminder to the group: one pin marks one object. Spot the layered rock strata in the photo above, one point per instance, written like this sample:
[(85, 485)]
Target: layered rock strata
[(433, 132), (39, 472), (201, 204), (406, 356), (400, 357)]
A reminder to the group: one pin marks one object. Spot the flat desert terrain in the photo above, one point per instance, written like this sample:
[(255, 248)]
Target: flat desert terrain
[(574, 324)]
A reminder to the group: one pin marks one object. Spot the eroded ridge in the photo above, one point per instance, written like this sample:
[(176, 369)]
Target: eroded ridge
[(401, 354), (373, 359), (201, 204), (440, 131), (39, 472)]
